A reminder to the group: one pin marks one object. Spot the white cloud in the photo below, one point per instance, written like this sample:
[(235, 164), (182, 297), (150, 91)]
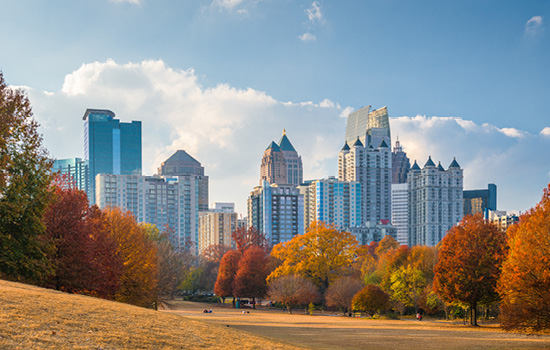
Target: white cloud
[(227, 130), (227, 4), (135, 2), (307, 37), (533, 25), (314, 12)]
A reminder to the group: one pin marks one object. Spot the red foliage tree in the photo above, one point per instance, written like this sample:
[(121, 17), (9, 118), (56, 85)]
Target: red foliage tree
[(250, 280), (245, 238), (226, 275), (469, 263)]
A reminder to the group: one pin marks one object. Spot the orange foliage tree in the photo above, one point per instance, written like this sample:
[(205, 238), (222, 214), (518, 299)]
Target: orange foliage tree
[(138, 283), (250, 280), (226, 274), (469, 264), (371, 299), (322, 254), (525, 279)]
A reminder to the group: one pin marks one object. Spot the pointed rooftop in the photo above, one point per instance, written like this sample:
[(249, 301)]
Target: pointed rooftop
[(383, 144), (429, 162), (346, 147), (358, 143), (182, 157), (415, 166), (439, 167), (284, 143), (454, 164), (273, 146)]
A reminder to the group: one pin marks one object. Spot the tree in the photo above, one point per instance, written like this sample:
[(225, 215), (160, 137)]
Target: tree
[(525, 281), (173, 262), (250, 280), (293, 290), (340, 293), (226, 275), (24, 190), (215, 252), (407, 286), (322, 254), (245, 238), (72, 257), (138, 282), (371, 299), (469, 264)]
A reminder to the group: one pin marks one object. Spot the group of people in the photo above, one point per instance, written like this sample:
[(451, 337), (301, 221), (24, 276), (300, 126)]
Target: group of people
[(207, 311)]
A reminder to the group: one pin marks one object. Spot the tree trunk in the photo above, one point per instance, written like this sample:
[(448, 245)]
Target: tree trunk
[(254, 303), (233, 302), (473, 314)]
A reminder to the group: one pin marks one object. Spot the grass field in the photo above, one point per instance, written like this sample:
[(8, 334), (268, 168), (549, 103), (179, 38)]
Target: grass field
[(36, 318), (338, 332)]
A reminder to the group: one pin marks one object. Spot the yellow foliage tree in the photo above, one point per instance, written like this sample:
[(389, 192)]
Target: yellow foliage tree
[(138, 283), (322, 254)]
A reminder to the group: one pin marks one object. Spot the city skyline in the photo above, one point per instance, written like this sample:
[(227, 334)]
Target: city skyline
[(220, 79)]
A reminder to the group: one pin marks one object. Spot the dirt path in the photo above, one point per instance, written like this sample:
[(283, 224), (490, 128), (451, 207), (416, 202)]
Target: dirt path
[(337, 332)]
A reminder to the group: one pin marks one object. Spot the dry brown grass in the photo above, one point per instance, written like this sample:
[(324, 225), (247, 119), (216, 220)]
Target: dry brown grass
[(338, 332), (36, 318)]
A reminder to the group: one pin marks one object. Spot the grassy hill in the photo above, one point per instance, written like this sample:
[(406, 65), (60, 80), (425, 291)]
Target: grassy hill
[(37, 318)]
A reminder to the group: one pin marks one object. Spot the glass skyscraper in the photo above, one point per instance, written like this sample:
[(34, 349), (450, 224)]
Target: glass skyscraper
[(110, 147)]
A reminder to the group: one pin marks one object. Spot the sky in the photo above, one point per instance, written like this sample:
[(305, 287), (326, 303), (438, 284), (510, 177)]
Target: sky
[(221, 79)]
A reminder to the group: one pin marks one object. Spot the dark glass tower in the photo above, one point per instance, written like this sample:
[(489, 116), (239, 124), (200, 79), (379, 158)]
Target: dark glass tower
[(110, 147)]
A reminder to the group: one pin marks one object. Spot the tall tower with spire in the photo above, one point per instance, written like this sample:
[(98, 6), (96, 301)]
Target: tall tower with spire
[(400, 164), (273, 168), (293, 162)]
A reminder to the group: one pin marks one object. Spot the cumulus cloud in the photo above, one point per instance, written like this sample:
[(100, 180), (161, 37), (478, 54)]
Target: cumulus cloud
[(533, 25), (227, 4), (307, 37), (314, 12), (227, 129)]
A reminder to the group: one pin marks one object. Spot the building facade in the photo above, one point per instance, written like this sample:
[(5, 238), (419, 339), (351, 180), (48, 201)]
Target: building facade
[(277, 211), (400, 164), (217, 225), (371, 127), (182, 164), (400, 211), (501, 219), (110, 147), (333, 202), (479, 201), (435, 201), (293, 161), (76, 170), (281, 163)]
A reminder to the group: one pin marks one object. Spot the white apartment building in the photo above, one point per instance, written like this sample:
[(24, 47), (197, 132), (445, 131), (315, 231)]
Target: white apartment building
[(400, 211)]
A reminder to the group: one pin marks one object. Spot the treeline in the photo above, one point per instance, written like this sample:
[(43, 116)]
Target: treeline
[(475, 266)]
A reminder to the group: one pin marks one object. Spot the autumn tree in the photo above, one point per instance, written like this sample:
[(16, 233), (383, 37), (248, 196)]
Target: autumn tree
[(250, 280), (525, 280), (340, 293), (371, 299), (322, 254), (226, 275), (293, 290), (215, 252), (469, 263), (247, 237), (138, 282), (24, 190), (73, 254)]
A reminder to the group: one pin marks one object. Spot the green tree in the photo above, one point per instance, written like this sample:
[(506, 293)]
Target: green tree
[(24, 190), (469, 264)]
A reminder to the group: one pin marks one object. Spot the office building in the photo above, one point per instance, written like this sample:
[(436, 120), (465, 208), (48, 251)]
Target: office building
[(400, 164), (281, 164), (110, 147), (435, 201), (374, 232), (182, 164), (293, 162), (217, 225), (333, 202), (479, 201), (277, 211), (75, 170), (371, 127), (400, 211), (501, 219)]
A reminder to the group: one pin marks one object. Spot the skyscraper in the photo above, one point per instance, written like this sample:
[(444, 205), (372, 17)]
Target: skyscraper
[(110, 147), (76, 170), (370, 127), (435, 201), (293, 162), (273, 168), (182, 164), (478, 201), (400, 164)]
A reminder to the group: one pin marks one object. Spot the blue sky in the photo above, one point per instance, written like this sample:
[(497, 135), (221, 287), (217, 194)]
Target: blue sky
[(222, 78)]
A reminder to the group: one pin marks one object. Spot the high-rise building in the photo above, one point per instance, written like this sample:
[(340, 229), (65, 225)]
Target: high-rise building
[(435, 201), (400, 211), (76, 171), (161, 201), (370, 127), (371, 167), (501, 219), (478, 201), (333, 202), (182, 164), (293, 162), (217, 225), (276, 210), (273, 168), (110, 147), (400, 164)]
